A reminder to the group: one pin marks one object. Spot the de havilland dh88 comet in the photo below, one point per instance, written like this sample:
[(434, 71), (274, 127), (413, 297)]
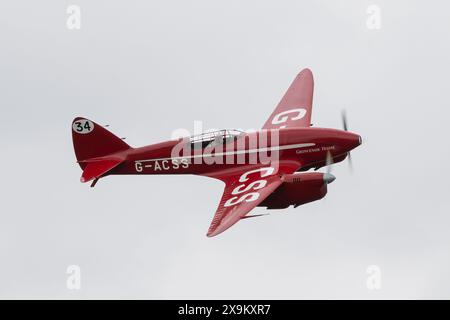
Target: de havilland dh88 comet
[(266, 168)]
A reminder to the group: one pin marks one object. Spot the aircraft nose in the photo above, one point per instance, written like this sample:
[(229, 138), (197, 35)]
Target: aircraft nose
[(355, 140)]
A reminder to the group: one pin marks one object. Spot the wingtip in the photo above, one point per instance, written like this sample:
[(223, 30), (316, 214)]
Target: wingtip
[(215, 232), (211, 233), (305, 71)]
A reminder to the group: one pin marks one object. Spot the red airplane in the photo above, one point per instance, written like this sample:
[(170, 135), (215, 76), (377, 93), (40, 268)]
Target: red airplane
[(264, 168)]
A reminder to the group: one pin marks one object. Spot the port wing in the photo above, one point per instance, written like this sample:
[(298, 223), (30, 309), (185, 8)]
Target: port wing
[(294, 109)]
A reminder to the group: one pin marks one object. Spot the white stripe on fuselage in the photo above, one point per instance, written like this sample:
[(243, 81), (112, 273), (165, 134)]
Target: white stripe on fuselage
[(229, 153)]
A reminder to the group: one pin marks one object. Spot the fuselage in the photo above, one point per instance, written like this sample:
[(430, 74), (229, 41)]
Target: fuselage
[(290, 146)]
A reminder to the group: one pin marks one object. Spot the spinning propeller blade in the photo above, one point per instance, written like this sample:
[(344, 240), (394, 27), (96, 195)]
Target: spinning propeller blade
[(329, 162), (345, 127), (328, 177), (344, 120)]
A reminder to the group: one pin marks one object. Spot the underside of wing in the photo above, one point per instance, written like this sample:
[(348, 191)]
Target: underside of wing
[(294, 109), (244, 191), (235, 204)]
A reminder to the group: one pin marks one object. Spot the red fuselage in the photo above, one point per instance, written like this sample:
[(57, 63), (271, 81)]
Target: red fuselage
[(311, 145)]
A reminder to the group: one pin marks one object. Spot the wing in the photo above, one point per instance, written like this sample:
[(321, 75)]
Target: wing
[(244, 191), (234, 206), (294, 109)]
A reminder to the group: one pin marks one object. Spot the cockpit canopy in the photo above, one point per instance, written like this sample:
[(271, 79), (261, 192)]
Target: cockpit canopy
[(217, 137)]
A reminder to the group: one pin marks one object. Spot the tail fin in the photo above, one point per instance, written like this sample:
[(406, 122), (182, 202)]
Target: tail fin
[(91, 141)]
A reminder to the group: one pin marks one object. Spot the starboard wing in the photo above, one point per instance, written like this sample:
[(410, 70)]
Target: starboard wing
[(244, 191)]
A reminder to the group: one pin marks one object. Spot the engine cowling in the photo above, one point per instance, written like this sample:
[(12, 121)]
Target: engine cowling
[(298, 189)]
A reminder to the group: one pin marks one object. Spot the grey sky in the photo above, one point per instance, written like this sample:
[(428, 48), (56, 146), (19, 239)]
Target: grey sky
[(147, 68)]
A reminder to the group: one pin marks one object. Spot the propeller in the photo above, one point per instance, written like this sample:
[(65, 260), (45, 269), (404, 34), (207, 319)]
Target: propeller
[(344, 120), (327, 176), (345, 127), (328, 162)]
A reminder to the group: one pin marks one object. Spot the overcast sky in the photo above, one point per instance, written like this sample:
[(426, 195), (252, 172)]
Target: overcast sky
[(149, 67)]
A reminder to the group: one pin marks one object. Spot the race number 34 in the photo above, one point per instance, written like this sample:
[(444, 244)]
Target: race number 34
[(83, 126)]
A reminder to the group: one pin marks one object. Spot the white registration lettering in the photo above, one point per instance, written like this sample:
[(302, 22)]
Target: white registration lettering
[(184, 163), (242, 188), (245, 188), (268, 172), (138, 167), (283, 117), (249, 197), (165, 164)]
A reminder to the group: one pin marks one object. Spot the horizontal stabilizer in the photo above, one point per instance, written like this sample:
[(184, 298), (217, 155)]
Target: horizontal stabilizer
[(96, 169)]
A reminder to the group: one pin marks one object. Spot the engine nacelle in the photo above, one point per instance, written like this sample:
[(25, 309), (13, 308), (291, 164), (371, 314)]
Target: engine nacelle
[(298, 189)]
